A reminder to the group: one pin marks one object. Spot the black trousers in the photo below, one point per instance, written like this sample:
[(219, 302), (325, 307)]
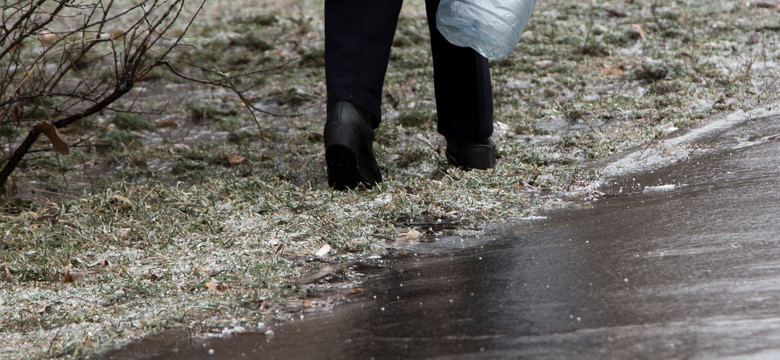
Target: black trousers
[(358, 36)]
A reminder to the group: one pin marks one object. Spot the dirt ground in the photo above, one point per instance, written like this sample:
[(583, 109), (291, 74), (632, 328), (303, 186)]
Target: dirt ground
[(190, 214)]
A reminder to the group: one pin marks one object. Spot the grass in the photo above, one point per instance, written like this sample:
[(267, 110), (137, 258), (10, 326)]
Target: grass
[(156, 228)]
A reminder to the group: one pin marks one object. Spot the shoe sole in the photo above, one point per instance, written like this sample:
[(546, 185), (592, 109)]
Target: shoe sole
[(344, 169)]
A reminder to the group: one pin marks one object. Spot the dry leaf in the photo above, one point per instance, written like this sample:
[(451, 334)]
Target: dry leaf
[(235, 159), (615, 13), (116, 33), (156, 276), (766, 5), (639, 30), (52, 219), (49, 38), (122, 201), (57, 142), (413, 234), (324, 250), (166, 124), (73, 276), (215, 287), (612, 71), (356, 291)]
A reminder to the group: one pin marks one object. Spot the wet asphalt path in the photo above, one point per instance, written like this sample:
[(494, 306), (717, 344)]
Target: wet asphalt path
[(678, 263)]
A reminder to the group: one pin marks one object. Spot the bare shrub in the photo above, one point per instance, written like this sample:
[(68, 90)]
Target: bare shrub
[(64, 61)]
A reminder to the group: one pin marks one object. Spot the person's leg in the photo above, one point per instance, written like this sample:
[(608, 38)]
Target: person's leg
[(358, 37), (464, 99), (464, 96)]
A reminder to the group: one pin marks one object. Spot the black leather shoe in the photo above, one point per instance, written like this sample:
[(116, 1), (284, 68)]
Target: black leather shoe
[(471, 154), (349, 151)]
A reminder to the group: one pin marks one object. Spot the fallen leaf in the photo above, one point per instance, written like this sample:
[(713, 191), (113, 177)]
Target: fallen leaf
[(156, 276), (122, 201), (766, 5), (216, 287), (116, 33), (324, 250), (616, 13), (413, 234), (235, 159), (166, 124), (315, 136), (639, 30), (49, 38), (612, 71), (73, 276), (57, 142)]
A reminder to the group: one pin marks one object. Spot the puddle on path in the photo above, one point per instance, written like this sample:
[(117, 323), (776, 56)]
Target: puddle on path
[(686, 272)]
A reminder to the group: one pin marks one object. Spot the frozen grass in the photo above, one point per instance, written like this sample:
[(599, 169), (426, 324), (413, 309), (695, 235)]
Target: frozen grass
[(169, 232)]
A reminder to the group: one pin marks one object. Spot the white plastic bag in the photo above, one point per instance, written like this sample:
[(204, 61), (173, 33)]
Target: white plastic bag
[(491, 27)]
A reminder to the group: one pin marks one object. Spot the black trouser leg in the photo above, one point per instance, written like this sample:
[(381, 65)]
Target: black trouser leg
[(464, 96), (358, 36)]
